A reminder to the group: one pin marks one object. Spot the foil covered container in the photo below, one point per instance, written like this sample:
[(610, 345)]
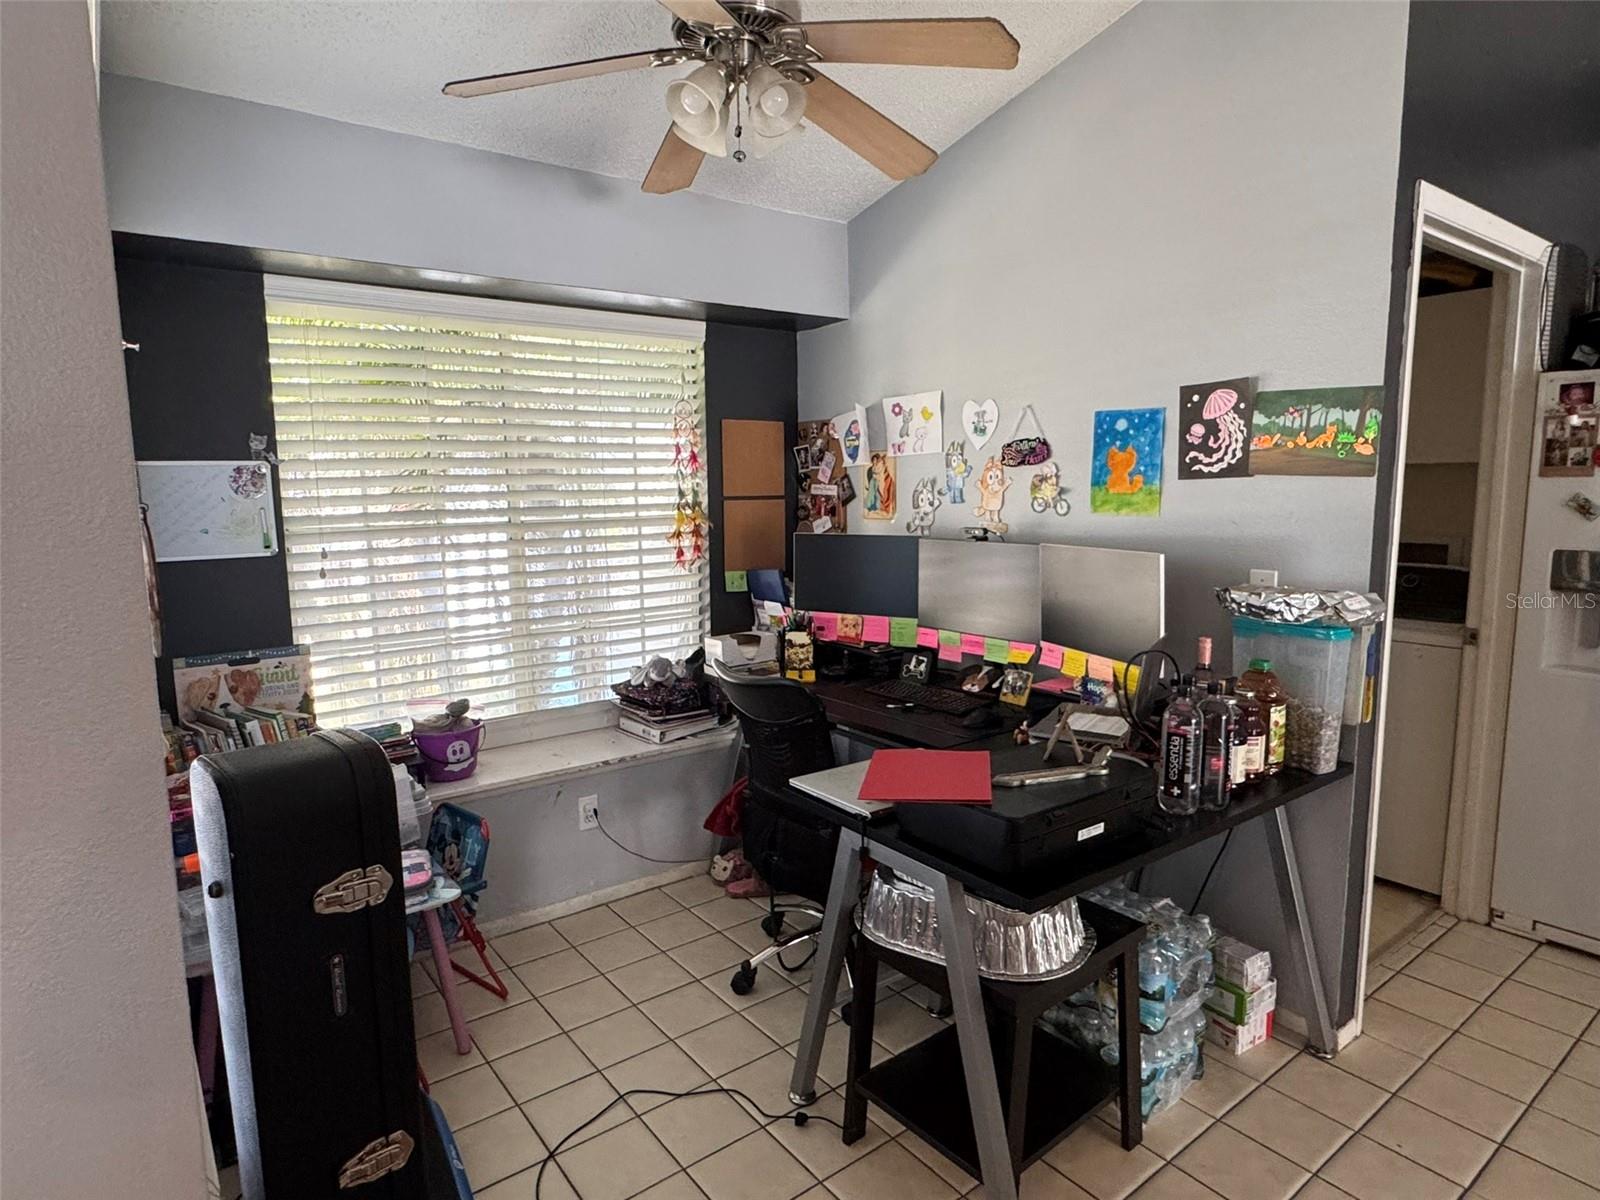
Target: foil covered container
[(1023, 947), (1300, 607)]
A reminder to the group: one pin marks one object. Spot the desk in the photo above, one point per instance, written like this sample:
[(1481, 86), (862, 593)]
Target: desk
[(858, 713), (879, 837)]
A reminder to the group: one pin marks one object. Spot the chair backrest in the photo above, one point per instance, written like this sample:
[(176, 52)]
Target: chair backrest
[(458, 839), (785, 728)]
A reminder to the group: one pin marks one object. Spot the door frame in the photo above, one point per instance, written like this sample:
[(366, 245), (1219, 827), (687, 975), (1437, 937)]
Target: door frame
[(1518, 259)]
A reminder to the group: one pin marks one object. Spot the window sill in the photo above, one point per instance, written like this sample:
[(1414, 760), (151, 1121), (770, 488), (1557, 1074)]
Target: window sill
[(556, 757)]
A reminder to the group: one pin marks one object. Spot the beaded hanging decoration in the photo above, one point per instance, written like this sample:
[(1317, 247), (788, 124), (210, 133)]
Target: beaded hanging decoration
[(689, 523)]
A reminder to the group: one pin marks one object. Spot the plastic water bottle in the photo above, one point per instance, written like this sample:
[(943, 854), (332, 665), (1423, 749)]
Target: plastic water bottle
[(1181, 742)]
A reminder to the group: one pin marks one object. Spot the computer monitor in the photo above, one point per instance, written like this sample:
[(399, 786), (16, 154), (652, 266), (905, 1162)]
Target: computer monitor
[(991, 588), (767, 584), (1103, 601), (856, 573)]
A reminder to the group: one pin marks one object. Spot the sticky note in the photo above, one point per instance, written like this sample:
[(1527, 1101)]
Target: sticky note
[(1020, 652), (949, 653), (1050, 655), (949, 637), (927, 636), (736, 581), (902, 631), (1074, 662), (875, 629), (971, 643), (825, 626), (850, 628), (1100, 668), (996, 650)]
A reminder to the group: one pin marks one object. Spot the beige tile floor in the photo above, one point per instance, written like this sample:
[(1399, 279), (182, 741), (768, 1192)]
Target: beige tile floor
[(1479, 1074)]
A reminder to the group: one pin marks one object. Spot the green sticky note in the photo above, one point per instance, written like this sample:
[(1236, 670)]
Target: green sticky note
[(736, 581), (996, 650), (902, 631), (949, 637)]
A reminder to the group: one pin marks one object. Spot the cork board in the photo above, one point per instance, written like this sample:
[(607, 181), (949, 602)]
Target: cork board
[(753, 458), (753, 534)]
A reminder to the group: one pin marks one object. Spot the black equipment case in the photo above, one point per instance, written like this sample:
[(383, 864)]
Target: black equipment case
[(1029, 826), (300, 858)]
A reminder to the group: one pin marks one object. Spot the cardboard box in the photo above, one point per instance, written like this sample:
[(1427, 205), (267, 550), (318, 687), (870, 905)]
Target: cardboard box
[(1229, 1001), (1243, 966), (1239, 1039)]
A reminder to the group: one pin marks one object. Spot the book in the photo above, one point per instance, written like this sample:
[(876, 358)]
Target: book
[(662, 732), (277, 680)]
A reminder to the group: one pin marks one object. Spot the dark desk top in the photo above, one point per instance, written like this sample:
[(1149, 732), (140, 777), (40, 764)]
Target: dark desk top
[(1030, 891), (850, 705)]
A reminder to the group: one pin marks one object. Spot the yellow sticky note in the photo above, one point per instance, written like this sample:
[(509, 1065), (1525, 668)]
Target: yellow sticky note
[(1020, 653), (1074, 662)]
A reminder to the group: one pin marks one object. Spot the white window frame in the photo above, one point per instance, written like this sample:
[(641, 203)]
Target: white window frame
[(544, 720)]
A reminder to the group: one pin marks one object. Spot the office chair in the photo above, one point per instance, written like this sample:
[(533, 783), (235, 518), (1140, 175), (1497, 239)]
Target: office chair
[(786, 733)]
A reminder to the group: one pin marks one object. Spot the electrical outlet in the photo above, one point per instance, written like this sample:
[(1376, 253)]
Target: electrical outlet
[(1259, 578), (588, 812)]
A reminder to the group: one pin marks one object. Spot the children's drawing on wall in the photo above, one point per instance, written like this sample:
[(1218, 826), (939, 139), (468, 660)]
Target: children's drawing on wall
[(1125, 472), (1215, 420), (978, 420), (1316, 431), (914, 424), (957, 466), (1046, 493), (877, 502), (992, 484), (851, 430), (924, 502)]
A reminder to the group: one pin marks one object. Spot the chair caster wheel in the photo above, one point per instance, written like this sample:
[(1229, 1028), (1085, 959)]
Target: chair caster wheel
[(802, 1099), (844, 1013), (743, 981), (772, 924)]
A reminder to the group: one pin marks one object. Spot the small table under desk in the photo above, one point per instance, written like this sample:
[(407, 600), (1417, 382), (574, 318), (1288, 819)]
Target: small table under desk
[(868, 830)]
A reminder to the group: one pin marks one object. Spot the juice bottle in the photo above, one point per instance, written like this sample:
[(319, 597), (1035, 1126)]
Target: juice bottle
[(1216, 725), (1238, 736), (1274, 701), (1180, 753), (1253, 719)]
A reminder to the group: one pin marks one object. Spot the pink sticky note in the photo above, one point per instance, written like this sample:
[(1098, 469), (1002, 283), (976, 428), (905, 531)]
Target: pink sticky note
[(1100, 668), (971, 643), (926, 636), (876, 629), (949, 654), (1050, 656), (825, 626)]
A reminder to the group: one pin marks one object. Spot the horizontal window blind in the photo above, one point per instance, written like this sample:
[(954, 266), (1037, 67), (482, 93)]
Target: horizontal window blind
[(477, 506)]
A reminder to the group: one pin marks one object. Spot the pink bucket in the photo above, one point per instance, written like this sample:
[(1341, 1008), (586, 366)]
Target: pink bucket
[(451, 755)]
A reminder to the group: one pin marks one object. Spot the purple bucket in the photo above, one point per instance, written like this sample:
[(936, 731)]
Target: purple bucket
[(451, 755)]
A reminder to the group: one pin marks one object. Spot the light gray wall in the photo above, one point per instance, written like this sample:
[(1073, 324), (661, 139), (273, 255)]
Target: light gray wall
[(187, 164), (1202, 192), (98, 1083)]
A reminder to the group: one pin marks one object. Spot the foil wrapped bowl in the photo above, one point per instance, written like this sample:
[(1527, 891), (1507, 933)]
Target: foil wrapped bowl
[(902, 915)]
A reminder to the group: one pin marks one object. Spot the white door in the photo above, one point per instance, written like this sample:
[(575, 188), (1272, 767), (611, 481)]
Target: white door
[(1547, 851)]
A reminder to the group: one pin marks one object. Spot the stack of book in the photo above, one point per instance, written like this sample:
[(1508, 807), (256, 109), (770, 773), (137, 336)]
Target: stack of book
[(398, 744), (658, 728)]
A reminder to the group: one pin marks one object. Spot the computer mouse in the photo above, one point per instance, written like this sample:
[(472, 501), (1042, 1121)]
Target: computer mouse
[(986, 717)]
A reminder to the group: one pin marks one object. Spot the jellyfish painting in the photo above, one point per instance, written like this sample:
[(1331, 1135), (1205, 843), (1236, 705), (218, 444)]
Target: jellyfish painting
[(1218, 430)]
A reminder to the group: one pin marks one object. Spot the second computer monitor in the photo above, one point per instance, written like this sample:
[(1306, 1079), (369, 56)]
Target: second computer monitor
[(1103, 601), (990, 588)]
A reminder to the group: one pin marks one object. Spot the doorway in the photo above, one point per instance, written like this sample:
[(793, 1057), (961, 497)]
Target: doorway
[(1466, 412)]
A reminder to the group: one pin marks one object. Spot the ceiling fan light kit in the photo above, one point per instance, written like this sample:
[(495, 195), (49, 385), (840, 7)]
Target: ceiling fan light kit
[(758, 79)]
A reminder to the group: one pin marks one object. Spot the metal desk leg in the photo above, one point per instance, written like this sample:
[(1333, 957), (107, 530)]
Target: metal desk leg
[(832, 939), (977, 1053), (1291, 895), (1130, 1066)]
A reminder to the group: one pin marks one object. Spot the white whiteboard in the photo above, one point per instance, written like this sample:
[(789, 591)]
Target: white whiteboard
[(209, 509)]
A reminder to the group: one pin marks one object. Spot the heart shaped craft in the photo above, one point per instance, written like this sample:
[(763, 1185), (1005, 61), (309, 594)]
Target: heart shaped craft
[(979, 421)]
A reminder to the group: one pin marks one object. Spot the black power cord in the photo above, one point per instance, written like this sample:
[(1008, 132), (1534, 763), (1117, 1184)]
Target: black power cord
[(799, 1116), (1204, 883), (665, 862)]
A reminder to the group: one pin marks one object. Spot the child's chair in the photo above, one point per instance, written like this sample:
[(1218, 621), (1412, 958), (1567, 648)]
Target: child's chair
[(458, 840)]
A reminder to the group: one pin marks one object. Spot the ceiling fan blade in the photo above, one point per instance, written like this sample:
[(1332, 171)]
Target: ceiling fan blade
[(701, 12), (935, 42), (865, 130), (675, 165), (511, 81)]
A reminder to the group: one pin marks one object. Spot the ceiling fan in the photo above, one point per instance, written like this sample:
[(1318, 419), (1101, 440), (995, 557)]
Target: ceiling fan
[(758, 78)]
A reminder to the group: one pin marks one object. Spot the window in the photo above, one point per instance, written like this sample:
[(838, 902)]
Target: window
[(476, 495)]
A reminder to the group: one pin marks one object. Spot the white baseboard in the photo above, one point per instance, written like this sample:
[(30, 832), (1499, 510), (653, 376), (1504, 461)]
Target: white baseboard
[(550, 912)]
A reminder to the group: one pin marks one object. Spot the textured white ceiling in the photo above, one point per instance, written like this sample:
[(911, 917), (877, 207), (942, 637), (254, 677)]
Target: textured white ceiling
[(382, 64)]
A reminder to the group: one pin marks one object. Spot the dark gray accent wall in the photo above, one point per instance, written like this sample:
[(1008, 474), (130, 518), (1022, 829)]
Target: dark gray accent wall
[(751, 374)]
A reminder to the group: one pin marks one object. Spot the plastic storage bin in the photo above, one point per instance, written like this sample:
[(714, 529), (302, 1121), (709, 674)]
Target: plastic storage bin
[(1313, 662)]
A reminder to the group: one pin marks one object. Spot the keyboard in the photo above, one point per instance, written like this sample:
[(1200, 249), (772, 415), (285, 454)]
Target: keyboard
[(945, 700)]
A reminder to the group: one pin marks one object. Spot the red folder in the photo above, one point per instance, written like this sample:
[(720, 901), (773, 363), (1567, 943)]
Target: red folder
[(932, 776)]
